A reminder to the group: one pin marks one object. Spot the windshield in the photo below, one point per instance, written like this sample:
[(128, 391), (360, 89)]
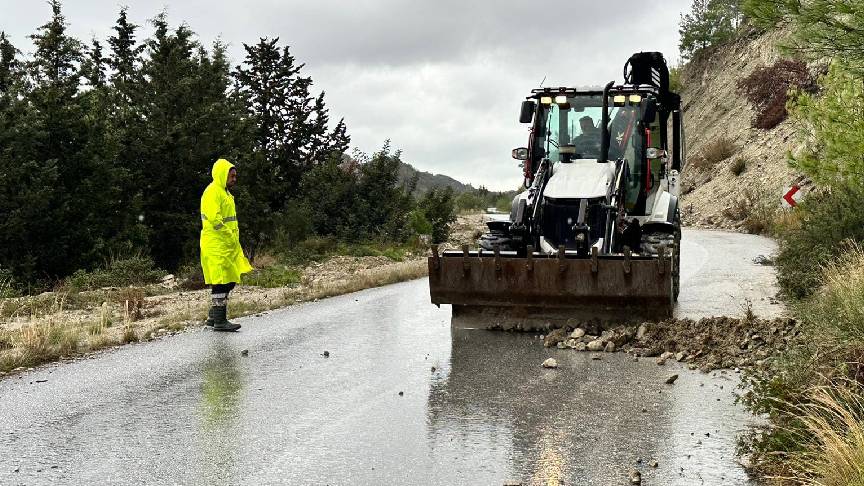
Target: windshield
[(577, 123)]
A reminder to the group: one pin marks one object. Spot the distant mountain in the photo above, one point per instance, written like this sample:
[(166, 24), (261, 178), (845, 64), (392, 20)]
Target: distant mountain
[(426, 180)]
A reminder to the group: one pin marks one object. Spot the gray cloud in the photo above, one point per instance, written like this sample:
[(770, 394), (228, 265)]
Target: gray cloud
[(442, 80)]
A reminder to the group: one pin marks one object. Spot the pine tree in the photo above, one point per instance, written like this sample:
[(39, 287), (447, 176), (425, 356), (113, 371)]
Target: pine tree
[(290, 133), (187, 123), (709, 23)]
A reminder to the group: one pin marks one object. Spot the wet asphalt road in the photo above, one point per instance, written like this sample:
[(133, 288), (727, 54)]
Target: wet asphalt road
[(191, 409)]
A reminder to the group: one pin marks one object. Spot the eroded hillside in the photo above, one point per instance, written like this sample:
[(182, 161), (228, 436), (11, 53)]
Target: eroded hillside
[(736, 174)]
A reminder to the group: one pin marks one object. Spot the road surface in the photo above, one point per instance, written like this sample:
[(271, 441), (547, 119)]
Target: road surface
[(399, 400)]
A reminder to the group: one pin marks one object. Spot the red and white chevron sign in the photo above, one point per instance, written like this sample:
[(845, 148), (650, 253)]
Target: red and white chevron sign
[(790, 199)]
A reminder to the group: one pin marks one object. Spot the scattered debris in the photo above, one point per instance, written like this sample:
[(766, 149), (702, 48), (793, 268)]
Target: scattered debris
[(705, 344), (635, 477), (326, 354), (763, 260), (596, 345), (244, 353), (550, 363)]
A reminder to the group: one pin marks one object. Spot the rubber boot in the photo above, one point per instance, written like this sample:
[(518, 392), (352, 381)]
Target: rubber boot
[(211, 316), (221, 322)]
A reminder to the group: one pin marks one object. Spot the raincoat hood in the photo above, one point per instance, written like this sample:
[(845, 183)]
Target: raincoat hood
[(220, 172)]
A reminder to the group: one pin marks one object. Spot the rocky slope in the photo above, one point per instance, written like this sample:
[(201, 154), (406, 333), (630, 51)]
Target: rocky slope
[(717, 111)]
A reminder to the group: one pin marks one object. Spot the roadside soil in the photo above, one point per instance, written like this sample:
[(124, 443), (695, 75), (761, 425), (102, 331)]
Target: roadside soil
[(61, 325)]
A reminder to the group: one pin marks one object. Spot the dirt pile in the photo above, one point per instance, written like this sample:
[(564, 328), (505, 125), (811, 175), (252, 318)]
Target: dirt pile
[(706, 344)]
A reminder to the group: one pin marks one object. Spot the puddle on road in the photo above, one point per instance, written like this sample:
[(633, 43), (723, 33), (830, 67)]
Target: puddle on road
[(588, 422)]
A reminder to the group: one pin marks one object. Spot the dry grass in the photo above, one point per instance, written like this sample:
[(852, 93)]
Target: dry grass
[(833, 452), (755, 215), (713, 153)]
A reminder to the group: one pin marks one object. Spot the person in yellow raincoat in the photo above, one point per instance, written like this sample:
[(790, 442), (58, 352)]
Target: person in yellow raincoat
[(222, 258)]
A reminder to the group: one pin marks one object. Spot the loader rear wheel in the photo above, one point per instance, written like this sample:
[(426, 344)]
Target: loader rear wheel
[(653, 240)]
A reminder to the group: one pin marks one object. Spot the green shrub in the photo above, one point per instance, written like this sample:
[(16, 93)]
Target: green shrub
[(738, 167), (118, 272), (440, 210), (824, 221), (7, 284), (419, 224)]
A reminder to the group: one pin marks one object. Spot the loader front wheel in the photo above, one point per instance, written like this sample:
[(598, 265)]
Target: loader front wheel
[(651, 243)]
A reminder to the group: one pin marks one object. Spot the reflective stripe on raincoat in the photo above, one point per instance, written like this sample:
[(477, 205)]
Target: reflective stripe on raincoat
[(222, 257)]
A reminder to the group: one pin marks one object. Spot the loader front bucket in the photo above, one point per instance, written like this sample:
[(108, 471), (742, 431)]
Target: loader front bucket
[(502, 290)]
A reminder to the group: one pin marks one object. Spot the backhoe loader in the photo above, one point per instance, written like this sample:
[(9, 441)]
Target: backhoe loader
[(596, 233)]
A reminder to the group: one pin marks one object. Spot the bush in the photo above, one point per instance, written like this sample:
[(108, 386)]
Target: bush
[(755, 214), (440, 210), (827, 356), (825, 220), (7, 284), (119, 272), (767, 89), (714, 153), (832, 129), (419, 224), (738, 167)]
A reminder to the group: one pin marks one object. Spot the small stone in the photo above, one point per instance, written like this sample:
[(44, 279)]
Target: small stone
[(244, 353), (667, 355), (561, 345), (596, 357), (692, 367), (577, 333), (571, 343), (433, 369), (653, 464), (635, 477), (661, 361), (671, 379), (550, 363), (642, 331), (595, 345), (680, 356), (326, 354), (401, 393), (580, 346), (610, 347)]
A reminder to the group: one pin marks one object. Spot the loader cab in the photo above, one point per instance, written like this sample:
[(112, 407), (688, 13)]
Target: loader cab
[(567, 127)]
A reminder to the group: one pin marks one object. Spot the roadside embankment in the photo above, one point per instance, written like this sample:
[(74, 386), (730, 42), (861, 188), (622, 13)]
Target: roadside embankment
[(69, 324)]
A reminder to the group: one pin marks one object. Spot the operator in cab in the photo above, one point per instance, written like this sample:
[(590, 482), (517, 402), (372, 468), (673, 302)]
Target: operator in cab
[(588, 142)]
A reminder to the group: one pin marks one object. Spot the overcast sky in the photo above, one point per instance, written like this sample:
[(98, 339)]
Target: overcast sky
[(442, 79)]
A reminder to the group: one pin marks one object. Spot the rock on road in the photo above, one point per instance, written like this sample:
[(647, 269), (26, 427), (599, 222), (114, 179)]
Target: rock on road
[(398, 399)]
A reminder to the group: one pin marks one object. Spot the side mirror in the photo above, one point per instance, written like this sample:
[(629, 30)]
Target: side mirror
[(527, 112), (649, 110), (520, 153)]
